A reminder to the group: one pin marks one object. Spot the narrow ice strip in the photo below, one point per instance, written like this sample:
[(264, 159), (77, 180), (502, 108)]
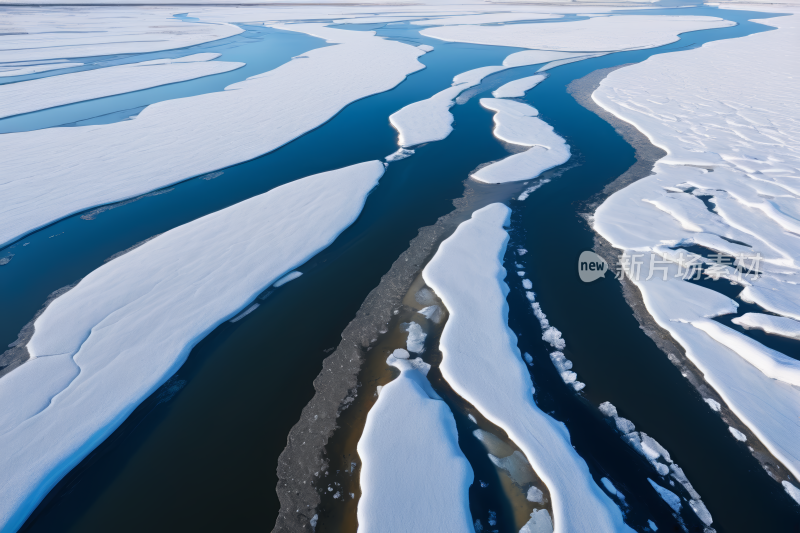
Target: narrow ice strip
[(34, 69), (518, 88), (602, 34), (517, 123), (558, 63), (414, 476), (53, 173), (93, 364), (430, 120), (287, 278), (483, 365), (43, 93), (775, 325), (491, 18), (535, 57)]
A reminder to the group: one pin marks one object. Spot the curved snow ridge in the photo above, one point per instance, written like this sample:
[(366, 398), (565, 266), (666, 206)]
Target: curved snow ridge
[(775, 325), (601, 34), (148, 308), (771, 362), (517, 123), (483, 365), (414, 476), (53, 91), (430, 120), (53, 173)]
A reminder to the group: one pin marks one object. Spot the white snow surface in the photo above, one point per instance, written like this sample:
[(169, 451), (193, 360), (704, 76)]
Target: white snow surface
[(728, 106), (93, 364), (600, 34), (414, 476), (287, 278), (518, 88), (535, 57), (483, 365), (792, 491), (517, 123), (776, 325), (42, 93), (491, 18), (6, 71), (53, 173)]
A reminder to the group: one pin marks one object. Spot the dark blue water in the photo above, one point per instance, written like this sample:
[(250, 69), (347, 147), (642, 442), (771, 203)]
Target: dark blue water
[(202, 452)]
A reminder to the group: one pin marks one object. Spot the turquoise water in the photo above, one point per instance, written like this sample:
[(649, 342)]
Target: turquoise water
[(201, 453)]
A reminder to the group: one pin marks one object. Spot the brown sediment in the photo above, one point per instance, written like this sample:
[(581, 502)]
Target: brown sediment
[(646, 156)]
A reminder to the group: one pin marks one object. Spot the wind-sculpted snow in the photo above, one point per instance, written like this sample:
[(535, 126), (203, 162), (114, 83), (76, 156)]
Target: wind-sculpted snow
[(414, 476), (728, 117), (33, 95), (106, 345), (53, 173), (34, 34), (518, 88), (517, 123), (482, 363), (430, 120), (601, 34)]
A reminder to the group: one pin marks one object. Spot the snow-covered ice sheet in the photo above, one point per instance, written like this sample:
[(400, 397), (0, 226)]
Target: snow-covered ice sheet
[(53, 173), (482, 363), (103, 347), (517, 123), (33, 95), (33, 69), (727, 116), (414, 476), (601, 34), (430, 120), (775, 325), (518, 88)]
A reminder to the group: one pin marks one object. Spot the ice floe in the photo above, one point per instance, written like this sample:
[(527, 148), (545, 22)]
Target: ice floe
[(414, 476), (93, 364), (776, 325), (416, 337), (482, 363), (517, 123), (518, 88), (33, 95), (53, 173), (287, 278), (726, 115)]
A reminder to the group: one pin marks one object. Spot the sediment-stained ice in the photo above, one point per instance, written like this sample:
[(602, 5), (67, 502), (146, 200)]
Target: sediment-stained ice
[(103, 347), (483, 365), (517, 123), (414, 476), (53, 173), (518, 88), (728, 119), (602, 34), (776, 325), (42, 93)]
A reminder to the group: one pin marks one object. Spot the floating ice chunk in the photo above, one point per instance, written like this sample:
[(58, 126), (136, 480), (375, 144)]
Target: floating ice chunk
[(492, 518), (400, 354), (521, 251), (652, 445), (553, 336), (378, 390), (416, 337), (738, 435), (611, 488), (521, 273), (776, 325), (625, 426), (518, 88), (287, 278), (244, 313), (472, 418), (669, 497), (493, 444), (680, 477), (425, 47), (527, 284), (432, 313), (483, 484), (792, 491), (425, 297), (652, 525), (528, 358), (527, 192), (313, 521), (608, 409), (540, 522), (535, 495), (701, 511), (402, 153), (517, 467), (714, 404)]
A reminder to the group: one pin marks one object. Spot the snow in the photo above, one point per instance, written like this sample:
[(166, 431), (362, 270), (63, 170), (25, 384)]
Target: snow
[(601, 34), (776, 325), (400, 353), (527, 192), (517, 123), (37, 34), (738, 435), (402, 153), (53, 173), (416, 338), (611, 488), (540, 522), (93, 364), (482, 363), (668, 496), (432, 313), (42, 93), (6, 71), (792, 491), (715, 406), (287, 278), (518, 88), (534, 495), (559, 62), (535, 57), (430, 120), (491, 18), (414, 476), (425, 47), (728, 106)]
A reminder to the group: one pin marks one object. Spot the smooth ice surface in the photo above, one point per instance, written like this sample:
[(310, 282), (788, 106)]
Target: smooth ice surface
[(729, 107), (42, 93), (517, 123), (776, 325), (53, 173), (518, 88), (540, 522), (109, 343), (482, 363), (601, 34), (414, 476), (668, 496)]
